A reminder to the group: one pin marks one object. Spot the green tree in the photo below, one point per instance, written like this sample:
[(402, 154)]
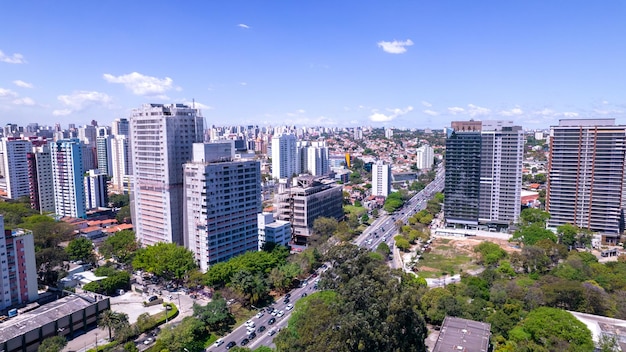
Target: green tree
[(189, 334), (251, 286), (215, 315), (166, 260), (531, 234), (402, 243), (490, 253), (554, 330), (52, 344), (113, 321), (119, 200), (393, 202), (383, 249), (123, 215), (81, 249), (534, 216), (122, 246), (324, 226)]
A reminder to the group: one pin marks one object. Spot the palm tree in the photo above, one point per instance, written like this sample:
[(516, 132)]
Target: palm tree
[(113, 321)]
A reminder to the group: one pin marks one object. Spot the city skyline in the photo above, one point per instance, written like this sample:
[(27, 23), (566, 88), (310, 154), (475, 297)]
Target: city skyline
[(406, 64)]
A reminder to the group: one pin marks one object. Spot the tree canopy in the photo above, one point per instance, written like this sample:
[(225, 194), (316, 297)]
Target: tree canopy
[(166, 260), (81, 249), (364, 305), (121, 245)]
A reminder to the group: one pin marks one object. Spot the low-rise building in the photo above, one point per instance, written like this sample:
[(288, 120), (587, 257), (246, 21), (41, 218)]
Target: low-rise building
[(274, 231)]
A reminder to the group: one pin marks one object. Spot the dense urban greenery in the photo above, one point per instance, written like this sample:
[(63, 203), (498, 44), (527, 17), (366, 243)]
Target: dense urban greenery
[(165, 260), (121, 246)]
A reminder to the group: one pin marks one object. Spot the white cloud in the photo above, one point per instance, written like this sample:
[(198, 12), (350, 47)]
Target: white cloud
[(426, 104), (474, 110), (243, 83), (13, 59), (300, 111), (81, 100), (430, 112), (545, 112), (143, 85), (608, 111), (395, 47), (61, 112), (456, 110), (244, 26), (22, 84), (516, 111), (570, 114), (605, 102), (7, 93), (380, 117), (24, 101)]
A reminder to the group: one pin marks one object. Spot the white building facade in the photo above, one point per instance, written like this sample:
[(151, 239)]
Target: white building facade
[(381, 179), (162, 136), (96, 195), (284, 156), (425, 156), (272, 230), (67, 175), (120, 164), (15, 166), (221, 203)]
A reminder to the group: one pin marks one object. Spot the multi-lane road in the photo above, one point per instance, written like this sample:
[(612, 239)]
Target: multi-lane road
[(384, 228), (263, 336)]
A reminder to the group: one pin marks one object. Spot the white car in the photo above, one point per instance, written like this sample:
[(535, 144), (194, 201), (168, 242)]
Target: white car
[(259, 315), (218, 343), (147, 341), (274, 312), (271, 332), (250, 324), (280, 314), (289, 306)]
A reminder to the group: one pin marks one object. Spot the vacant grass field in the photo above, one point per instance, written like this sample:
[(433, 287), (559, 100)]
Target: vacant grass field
[(447, 256)]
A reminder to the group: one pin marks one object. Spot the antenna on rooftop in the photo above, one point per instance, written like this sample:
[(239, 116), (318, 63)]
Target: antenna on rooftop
[(193, 103)]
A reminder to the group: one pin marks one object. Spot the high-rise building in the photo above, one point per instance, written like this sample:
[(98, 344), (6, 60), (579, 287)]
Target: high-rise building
[(161, 138), (388, 132), (316, 162), (586, 175), (272, 230), (221, 203), (87, 134), (18, 271), (483, 173), (358, 133), (13, 154), (284, 156), (103, 150), (381, 179), (41, 184), (67, 175), (120, 127), (310, 198), (120, 164), (425, 158), (96, 195)]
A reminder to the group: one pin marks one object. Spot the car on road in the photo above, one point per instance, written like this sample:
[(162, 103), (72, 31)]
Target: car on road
[(147, 341), (289, 306), (259, 315), (288, 295), (280, 314), (250, 323), (231, 345), (244, 342), (286, 301), (218, 342), (261, 329), (274, 312), (271, 321), (251, 335), (271, 332), (304, 295)]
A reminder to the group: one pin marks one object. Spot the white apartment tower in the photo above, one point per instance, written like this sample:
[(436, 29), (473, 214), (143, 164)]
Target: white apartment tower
[(388, 132), (18, 270), (120, 164), (221, 203), (120, 127), (96, 195), (425, 158), (67, 175), (15, 166), (284, 156), (381, 179), (317, 159), (162, 136)]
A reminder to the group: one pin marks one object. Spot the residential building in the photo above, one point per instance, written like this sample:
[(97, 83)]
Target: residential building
[(425, 156), (284, 156), (358, 133), (483, 173), (317, 163), (13, 156), (120, 164), (18, 271), (40, 180), (120, 127), (307, 199), (381, 179), (96, 195), (272, 230), (388, 132), (103, 150), (67, 176), (221, 202), (586, 175), (162, 136)]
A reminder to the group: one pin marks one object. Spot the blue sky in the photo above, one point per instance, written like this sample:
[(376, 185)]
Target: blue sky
[(403, 63)]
